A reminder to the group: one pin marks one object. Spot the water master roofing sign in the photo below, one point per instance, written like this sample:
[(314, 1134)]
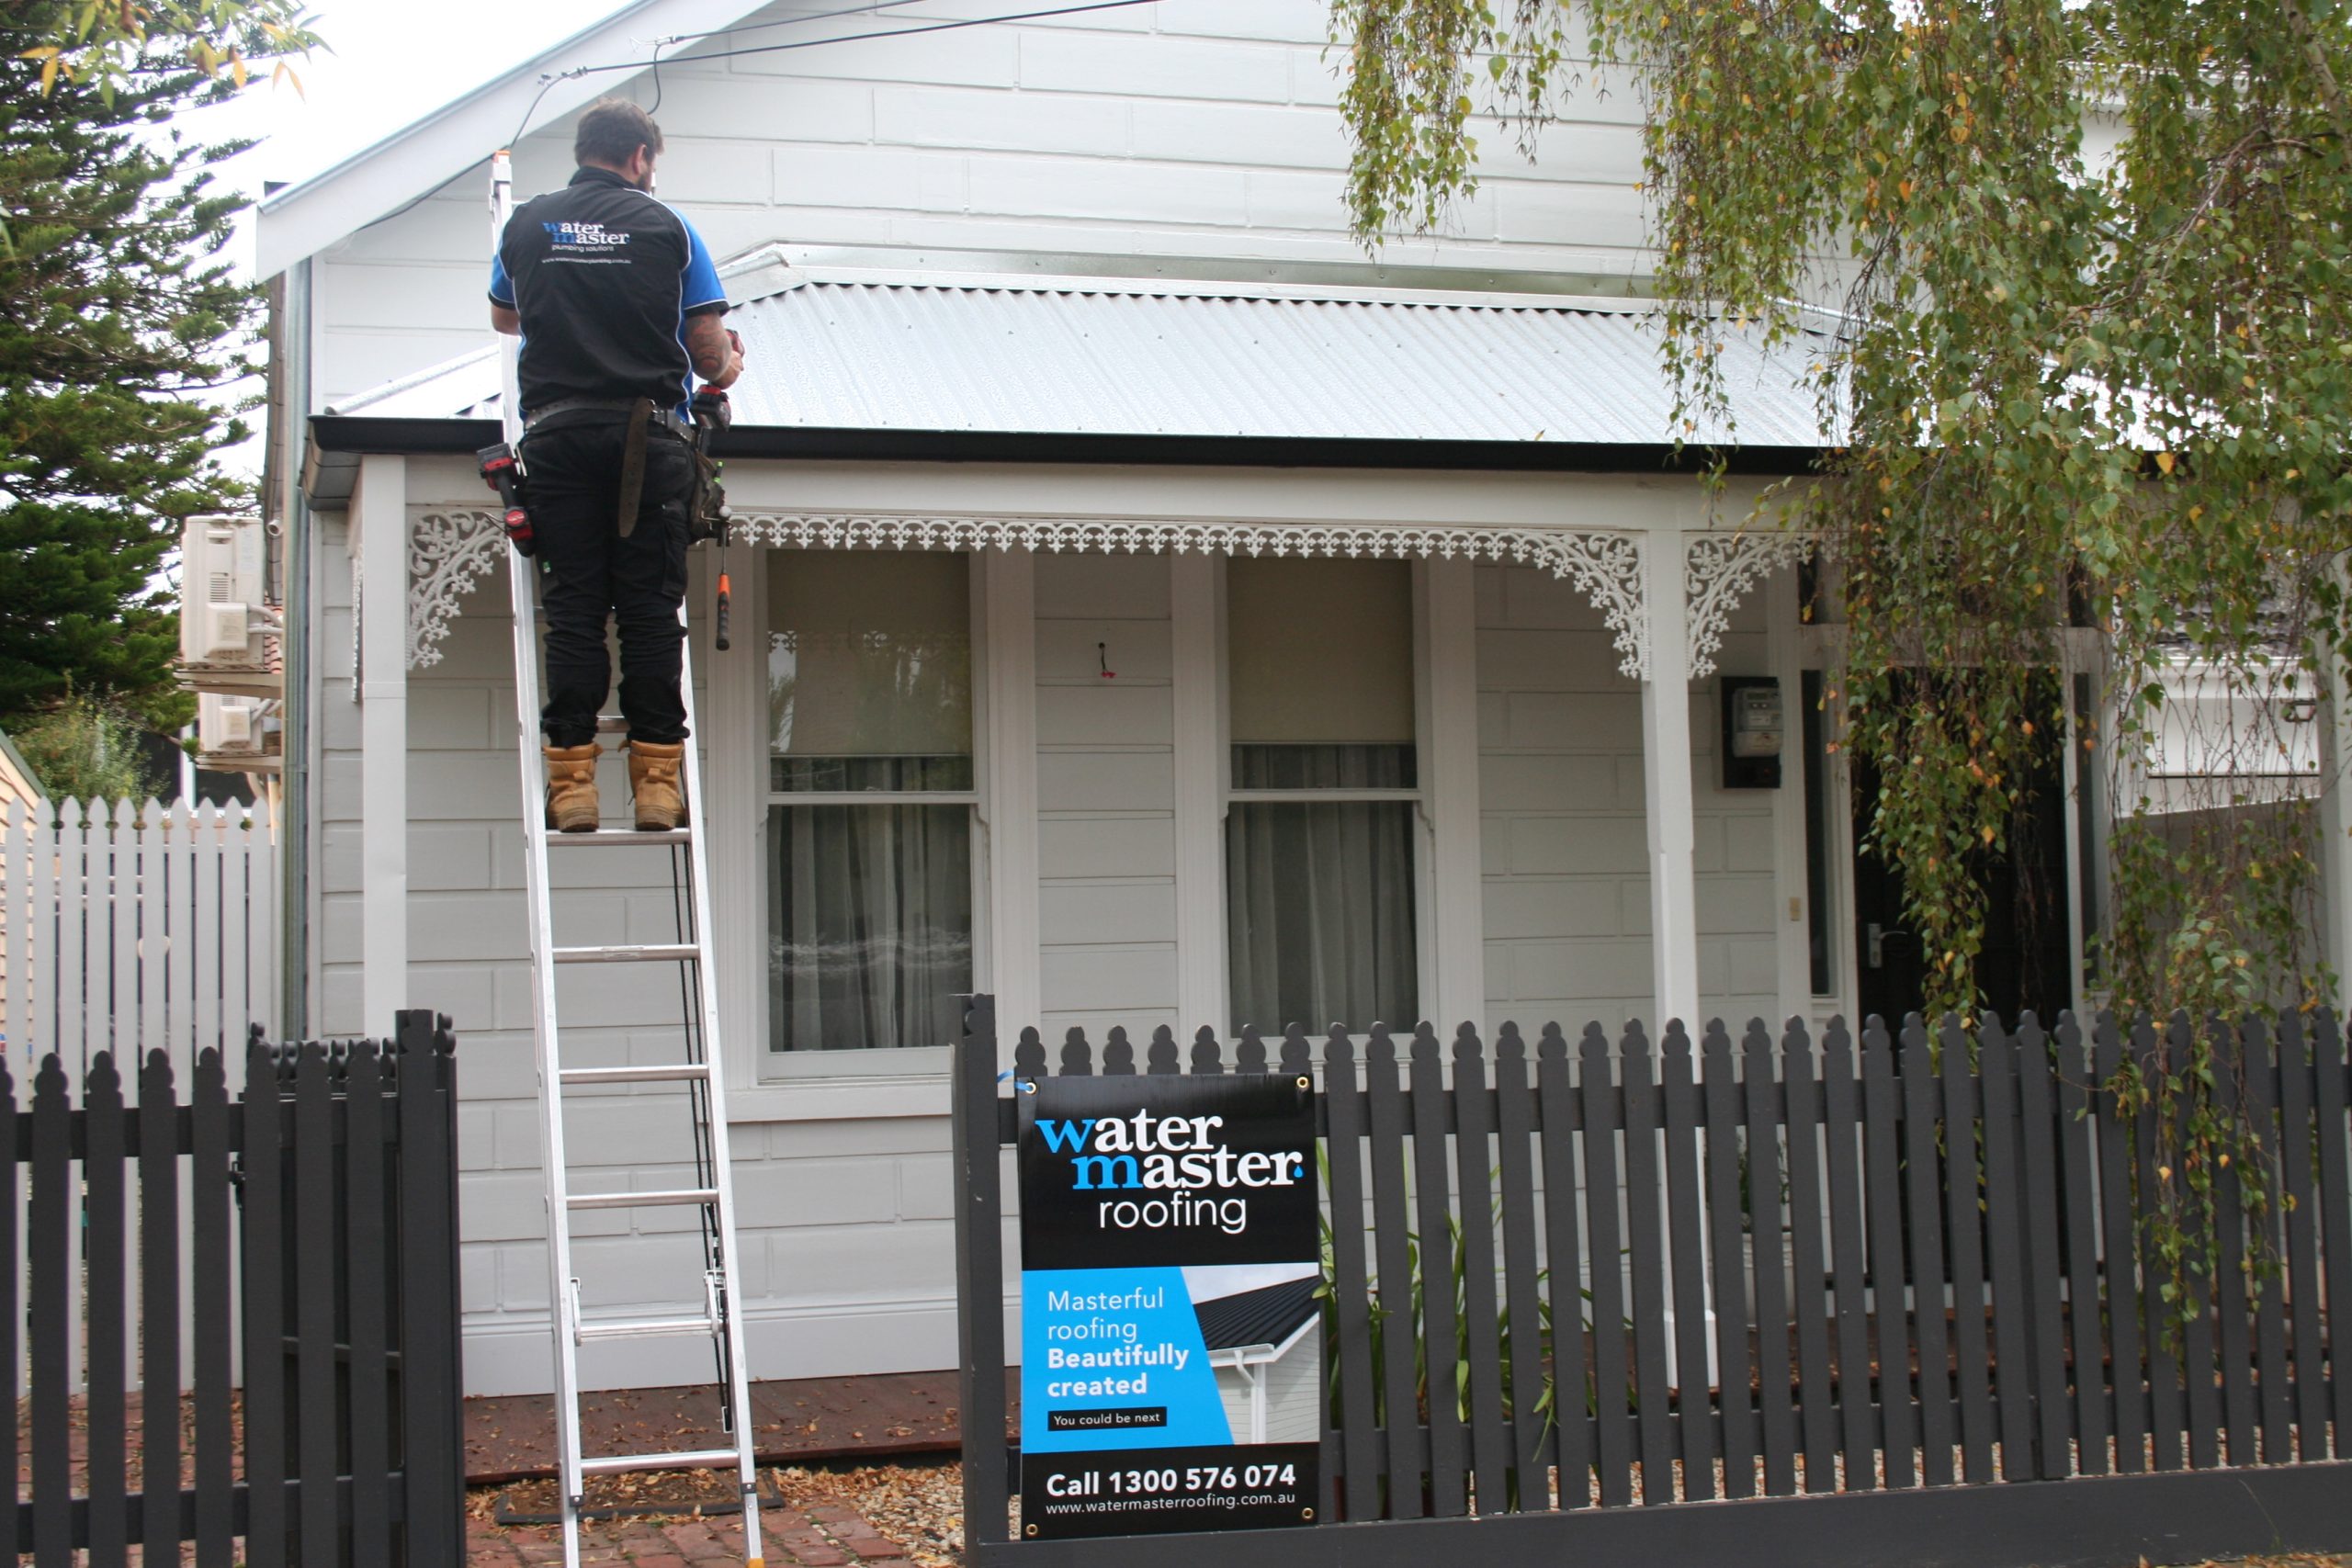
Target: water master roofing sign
[(1161, 1217)]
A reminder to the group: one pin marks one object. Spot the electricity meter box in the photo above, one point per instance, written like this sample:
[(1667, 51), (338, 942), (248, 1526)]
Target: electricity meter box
[(1753, 732)]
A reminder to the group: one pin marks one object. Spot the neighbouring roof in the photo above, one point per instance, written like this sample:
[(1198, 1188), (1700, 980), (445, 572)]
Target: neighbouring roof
[(1022, 357), (1266, 1317), (16, 772)]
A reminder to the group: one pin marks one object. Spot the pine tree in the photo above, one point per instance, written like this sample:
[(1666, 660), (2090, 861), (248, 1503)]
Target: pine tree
[(123, 337)]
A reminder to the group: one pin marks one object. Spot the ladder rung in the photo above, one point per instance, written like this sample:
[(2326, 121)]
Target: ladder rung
[(648, 954), (610, 724), (618, 837), (641, 1200), (647, 1328), (668, 1072), (690, 1459)]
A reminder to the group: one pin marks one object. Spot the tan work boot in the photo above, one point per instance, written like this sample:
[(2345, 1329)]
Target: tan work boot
[(653, 780), (571, 787)]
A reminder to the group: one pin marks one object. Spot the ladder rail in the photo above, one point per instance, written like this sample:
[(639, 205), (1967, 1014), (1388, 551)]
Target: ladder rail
[(523, 593)]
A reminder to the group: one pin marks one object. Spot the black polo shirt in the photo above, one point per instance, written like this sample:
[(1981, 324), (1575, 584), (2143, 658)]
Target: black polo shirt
[(604, 277)]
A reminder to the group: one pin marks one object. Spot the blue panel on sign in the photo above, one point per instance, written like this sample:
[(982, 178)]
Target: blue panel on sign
[(1111, 1349)]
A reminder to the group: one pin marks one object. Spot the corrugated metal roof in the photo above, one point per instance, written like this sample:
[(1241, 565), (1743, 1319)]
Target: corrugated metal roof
[(1267, 1316), (1096, 358)]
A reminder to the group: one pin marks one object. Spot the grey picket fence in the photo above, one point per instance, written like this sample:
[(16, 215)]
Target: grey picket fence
[(1890, 1294), (316, 1215)]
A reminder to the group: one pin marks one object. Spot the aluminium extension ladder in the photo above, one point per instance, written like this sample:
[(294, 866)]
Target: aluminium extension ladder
[(696, 1074)]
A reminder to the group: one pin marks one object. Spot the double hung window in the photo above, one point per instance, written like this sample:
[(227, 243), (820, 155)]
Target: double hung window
[(1320, 877), (870, 798)]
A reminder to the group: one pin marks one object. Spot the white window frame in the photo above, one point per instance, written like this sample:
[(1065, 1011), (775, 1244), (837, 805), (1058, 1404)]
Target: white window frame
[(777, 1086), (1423, 798)]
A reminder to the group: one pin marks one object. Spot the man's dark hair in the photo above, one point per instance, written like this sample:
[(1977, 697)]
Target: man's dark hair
[(611, 130)]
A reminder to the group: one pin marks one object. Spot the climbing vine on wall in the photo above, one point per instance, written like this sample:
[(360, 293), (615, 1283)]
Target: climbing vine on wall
[(2070, 279)]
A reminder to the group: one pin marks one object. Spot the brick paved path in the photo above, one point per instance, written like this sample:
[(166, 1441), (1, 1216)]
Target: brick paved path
[(822, 1535)]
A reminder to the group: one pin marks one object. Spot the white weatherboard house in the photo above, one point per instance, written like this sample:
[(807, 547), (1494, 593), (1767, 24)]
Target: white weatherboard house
[(1146, 609)]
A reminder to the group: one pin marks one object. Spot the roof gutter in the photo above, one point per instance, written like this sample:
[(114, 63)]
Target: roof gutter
[(337, 441)]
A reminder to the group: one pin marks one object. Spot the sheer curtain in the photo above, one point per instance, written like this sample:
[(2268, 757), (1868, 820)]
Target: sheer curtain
[(869, 925), (1321, 892)]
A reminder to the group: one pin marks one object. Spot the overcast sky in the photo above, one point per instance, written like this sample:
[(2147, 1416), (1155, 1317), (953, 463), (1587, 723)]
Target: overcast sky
[(392, 61)]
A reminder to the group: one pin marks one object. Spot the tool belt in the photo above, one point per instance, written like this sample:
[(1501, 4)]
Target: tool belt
[(642, 417)]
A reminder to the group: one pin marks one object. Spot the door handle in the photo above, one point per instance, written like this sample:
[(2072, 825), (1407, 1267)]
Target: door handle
[(1876, 935)]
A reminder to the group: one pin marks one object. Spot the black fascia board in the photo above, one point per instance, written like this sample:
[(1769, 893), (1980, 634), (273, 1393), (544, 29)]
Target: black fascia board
[(423, 437)]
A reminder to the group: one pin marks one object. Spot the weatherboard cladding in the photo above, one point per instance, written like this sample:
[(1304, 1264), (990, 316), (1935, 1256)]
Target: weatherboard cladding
[(1080, 359), (1266, 1317)]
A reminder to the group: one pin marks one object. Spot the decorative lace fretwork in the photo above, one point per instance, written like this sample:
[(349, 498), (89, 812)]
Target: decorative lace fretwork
[(1717, 572), (453, 549), (449, 552)]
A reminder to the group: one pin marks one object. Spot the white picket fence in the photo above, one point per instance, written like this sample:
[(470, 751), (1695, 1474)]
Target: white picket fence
[(135, 928)]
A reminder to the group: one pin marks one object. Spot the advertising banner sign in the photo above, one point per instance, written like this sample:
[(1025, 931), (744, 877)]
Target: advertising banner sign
[(1171, 1368)]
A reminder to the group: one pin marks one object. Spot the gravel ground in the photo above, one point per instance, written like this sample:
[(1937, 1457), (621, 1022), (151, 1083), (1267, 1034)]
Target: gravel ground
[(919, 1506)]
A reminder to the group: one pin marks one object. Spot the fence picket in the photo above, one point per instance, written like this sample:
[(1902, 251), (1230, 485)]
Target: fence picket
[(209, 1234), (1359, 1445), (2299, 1277), (148, 916), (1564, 1246), (2077, 1178), (2044, 1202), (2166, 1410), (1612, 1390), (42, 936), (366, 1210), (1440, 1346), (266, 1415), (1774, 1372), (1808, 1249), (314, 1326), (1996, 1052), (1730, 1268), (1693, 1350), (2335, 1209), (118, 916), (207, 924), (1842, 1135), (1644, 1184), (2198, 1371), (1522, 1264), (1392, 1229), (1939, 1414), (2127, 1370), (2270, 1318), (1490, 1442), (107, 1383), (257, 933), (2232, 1310), (1884, 1121), (72, 975), (1964, 1235), (53, 1304), (432, 1425), (159, 1303)]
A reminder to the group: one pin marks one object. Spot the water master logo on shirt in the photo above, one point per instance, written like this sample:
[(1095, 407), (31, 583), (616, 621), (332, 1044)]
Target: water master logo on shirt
[(576, 237), (1185, 1158)]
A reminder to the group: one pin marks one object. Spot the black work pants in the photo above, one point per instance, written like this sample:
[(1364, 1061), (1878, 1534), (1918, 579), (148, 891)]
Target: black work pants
[(588, 572)]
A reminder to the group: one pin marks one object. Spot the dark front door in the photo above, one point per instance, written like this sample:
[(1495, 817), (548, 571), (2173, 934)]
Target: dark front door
[(2025, 961)]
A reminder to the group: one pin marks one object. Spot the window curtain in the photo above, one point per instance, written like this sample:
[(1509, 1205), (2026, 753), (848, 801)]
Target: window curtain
[(869, 925), (1321, 892)]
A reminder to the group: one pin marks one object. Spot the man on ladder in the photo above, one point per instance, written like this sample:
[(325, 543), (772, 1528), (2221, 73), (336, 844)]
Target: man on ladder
[(619, 307)]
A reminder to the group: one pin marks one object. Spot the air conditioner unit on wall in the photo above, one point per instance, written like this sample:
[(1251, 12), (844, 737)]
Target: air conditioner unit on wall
[(228, 630), (237, 734)]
